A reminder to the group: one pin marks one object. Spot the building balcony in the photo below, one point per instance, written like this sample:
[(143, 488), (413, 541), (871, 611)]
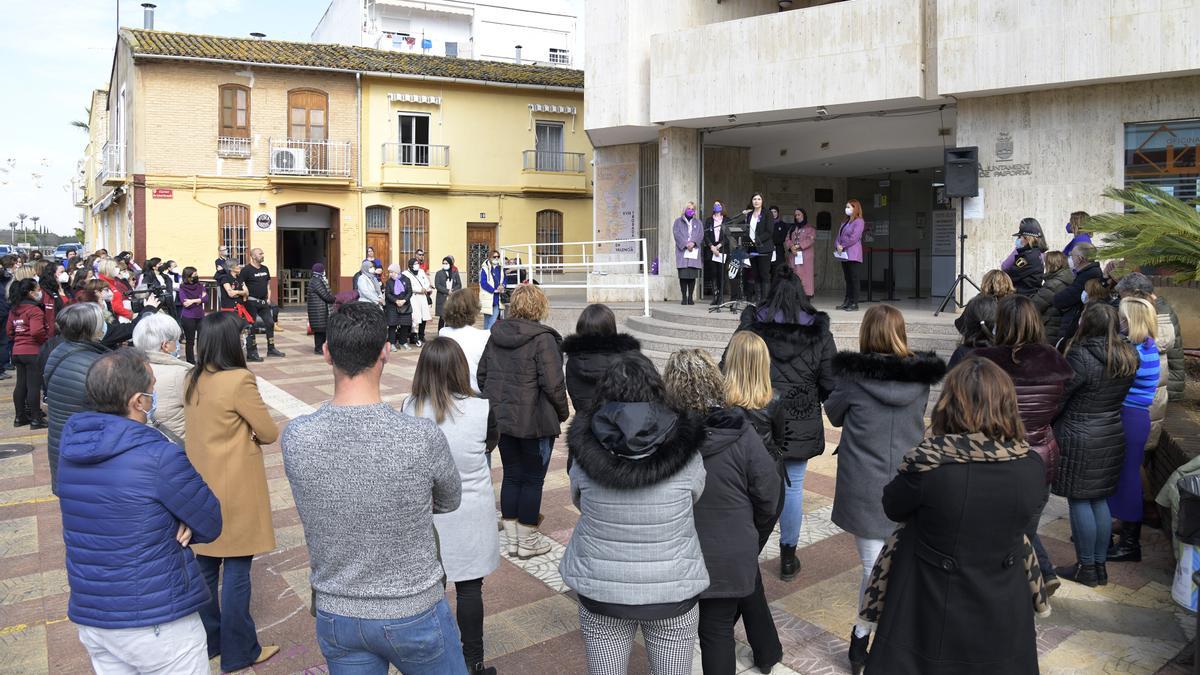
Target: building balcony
[(413, 165), (546, 171), (233, 147), (301, 161), (111, 165)]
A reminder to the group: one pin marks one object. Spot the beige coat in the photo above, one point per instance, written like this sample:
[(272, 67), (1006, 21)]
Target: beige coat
[(170, 381), (227, 422)]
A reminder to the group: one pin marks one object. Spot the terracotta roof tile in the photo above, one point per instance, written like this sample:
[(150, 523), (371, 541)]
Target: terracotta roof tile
[(151, 43)]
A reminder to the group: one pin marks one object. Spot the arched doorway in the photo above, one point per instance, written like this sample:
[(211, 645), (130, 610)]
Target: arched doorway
[(306, 236)]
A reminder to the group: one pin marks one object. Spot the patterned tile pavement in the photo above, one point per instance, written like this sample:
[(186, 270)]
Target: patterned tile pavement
[(1130, 626)]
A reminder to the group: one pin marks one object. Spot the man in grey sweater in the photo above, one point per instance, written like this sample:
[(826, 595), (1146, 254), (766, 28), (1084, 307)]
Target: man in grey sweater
[(367, 480)]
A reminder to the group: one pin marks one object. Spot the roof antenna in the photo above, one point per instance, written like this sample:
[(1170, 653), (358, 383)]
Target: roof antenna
[(258, 36)]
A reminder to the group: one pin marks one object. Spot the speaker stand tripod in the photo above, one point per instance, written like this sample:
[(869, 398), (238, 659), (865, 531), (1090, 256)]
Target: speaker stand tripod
[(962, 279)]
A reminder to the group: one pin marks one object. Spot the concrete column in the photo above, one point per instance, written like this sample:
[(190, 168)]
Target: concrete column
[(678, 183)]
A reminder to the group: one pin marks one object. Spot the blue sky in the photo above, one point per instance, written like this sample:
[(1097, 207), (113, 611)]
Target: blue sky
[(56, 53)]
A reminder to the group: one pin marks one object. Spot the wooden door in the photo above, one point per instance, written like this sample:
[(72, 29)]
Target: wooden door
[(481, 241), (308, 125), (381, 242), (333, 251)]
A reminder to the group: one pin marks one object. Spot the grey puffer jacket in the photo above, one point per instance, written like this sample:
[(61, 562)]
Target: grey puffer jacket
[(65, 376), (1089, 429), (635, 542), (879, 402), (318, 301), (1177, 377)]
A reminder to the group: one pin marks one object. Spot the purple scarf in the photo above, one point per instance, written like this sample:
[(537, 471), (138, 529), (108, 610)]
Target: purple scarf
[(398, 286)]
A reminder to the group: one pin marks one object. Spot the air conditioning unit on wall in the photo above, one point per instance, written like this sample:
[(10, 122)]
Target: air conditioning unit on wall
[(288, 160)]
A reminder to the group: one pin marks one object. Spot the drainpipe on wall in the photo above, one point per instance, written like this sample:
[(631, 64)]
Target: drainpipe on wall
[(360, 215), (703, 199)]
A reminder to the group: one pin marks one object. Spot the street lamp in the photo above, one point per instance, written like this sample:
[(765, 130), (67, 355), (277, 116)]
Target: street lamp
[(13, 225), (40, 239)]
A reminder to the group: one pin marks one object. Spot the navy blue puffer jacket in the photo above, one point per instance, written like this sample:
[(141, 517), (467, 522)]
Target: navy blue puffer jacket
[(123, 490)]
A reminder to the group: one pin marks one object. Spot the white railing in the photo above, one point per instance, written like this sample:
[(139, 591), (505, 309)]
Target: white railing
[(112, 162), (233, 147), (311, 158), (556, 162), (605, 264), (416, 154)]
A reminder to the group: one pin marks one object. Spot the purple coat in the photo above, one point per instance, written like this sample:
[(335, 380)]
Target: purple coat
[(686, 230), (850, 238)]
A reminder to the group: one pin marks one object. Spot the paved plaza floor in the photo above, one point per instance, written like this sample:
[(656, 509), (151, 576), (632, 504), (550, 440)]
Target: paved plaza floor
[(532, 627)]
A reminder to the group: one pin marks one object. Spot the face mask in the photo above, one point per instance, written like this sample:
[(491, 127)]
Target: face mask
[(107, 296), (1071, 263), (495, 261), (153, 405), (1083, 297), (63, 278), (178, 350), (717, 208), (38, 296), (689, 212), (123, 275), (416, 267), (446, 267), (194, 279), (1016, 242), (849, 211)]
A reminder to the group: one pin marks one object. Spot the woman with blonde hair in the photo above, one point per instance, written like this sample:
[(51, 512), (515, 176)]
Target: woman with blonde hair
[(1057, 277), (1139, 323), (997, 284), (108, 272), (879, 402), (849, 251), (737, 511), (521, 371)]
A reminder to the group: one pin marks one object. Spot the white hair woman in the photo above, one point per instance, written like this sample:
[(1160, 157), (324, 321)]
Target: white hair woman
[(160, 337)]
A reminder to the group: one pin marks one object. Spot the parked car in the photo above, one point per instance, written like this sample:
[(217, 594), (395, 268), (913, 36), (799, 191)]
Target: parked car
[(5, 249), (63, 250)]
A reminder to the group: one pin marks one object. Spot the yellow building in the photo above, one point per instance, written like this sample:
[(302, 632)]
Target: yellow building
[(313, 152)]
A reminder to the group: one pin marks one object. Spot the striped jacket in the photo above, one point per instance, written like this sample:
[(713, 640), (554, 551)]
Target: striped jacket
[(1141, 394)]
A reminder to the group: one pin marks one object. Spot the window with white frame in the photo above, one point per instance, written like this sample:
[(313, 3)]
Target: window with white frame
[(560, 57), (414, 139)]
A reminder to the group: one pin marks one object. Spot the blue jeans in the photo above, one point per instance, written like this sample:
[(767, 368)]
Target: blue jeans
[(227, 621), (793, 503), (490, 319), (1091, 526), (427, 643)]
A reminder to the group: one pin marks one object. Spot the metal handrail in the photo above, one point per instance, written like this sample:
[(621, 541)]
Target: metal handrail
[(590, 265), (554, 162), (320, 158), (416, 154), (233, 146)]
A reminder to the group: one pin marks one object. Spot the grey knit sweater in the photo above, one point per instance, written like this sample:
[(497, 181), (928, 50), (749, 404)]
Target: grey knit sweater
[(367, 481)]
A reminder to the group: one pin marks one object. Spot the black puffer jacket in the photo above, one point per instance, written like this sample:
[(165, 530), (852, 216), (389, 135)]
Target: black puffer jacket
[(588, 358), (521, 373), (1089, 430), (1177, 376), (318, 301), (1069, 300), (397, 315), (1044, 301), (802, 354), (66, 374), (1040, 375), (739, 507)]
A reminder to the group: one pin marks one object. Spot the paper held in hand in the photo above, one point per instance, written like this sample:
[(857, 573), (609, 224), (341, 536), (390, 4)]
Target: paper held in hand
[(718, 258), (693, 254), (841, 255), (799, 260)]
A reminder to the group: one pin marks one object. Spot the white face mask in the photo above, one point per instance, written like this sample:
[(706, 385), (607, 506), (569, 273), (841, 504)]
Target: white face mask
[(1071, 263), (849, 211), (1016, 242), (446, 267), (63, 278)]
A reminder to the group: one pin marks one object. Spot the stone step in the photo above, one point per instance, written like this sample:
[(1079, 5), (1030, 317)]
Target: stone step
[(840, 322), (666, 339)]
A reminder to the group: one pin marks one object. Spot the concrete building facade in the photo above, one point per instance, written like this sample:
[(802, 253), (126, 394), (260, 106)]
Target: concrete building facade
[(815, 102)]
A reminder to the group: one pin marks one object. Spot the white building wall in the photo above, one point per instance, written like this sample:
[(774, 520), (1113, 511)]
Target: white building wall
[(341, 24), (1013, 45), (837, 54)]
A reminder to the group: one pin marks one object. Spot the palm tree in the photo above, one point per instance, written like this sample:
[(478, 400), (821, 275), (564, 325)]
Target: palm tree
[(13, 225), (36, 231), (1156, 229), (82, 124)]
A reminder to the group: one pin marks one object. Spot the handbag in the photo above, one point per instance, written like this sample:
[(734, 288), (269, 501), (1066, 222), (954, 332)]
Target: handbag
[(485, 302)]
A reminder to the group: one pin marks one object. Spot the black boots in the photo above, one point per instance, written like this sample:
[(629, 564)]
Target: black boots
[(480, 669), (1101, 574), (1129, 544), (789, 564), (1080, 574), (858, 652), (38, 422), (271, 351)]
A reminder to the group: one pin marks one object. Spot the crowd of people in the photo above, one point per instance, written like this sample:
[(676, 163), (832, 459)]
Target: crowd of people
[(745, 251), (680, 476)]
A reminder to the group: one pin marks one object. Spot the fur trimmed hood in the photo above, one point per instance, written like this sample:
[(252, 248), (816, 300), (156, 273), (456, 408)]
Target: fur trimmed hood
[(594, 344), (612, 471), (790, 339), (920, 368)]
